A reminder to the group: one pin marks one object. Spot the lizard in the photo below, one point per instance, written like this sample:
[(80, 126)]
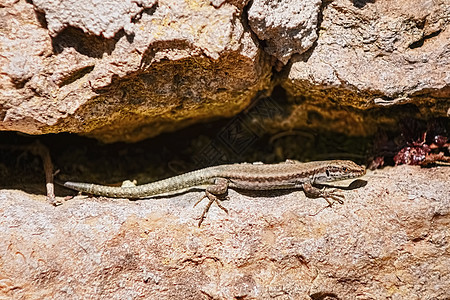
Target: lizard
[(216, 180)]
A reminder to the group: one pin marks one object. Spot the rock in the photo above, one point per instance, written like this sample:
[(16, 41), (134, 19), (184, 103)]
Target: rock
[(98, 18), (287, 27), (388, 240), (172, 65), (377, 53), (126, 71)]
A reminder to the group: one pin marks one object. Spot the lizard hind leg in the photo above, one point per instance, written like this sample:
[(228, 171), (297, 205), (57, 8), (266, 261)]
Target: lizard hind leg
[(214, 193)]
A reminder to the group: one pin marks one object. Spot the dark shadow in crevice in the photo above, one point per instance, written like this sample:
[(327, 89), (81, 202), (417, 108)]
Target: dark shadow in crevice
[(323, 296), (86, 44), (40, 17), (361, 3), (419, 43), (307, 54), (74, 76), (149, 11), (159, 46), (2, 112)]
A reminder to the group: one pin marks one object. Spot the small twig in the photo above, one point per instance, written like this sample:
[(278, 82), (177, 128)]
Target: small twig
[(435, 158), (39, 149), (42, 151)]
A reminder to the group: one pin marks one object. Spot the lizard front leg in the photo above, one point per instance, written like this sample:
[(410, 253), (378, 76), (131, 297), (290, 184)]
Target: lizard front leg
[(314, 192), (214, 193)]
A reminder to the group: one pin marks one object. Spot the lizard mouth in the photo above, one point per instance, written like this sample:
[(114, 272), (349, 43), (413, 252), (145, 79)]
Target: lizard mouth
[(363, 171)]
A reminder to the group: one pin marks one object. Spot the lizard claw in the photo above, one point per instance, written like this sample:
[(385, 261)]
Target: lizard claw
[(333, 196), (200, 200), (212, 198)]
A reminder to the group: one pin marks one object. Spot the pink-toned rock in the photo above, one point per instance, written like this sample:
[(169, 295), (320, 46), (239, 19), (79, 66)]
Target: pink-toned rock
[(388, 241)]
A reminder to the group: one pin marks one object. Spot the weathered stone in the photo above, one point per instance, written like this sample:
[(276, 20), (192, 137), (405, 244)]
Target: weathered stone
[(390, 240), (170, 65), (288, 27), (377, 53), (178, 64), (104, 18)]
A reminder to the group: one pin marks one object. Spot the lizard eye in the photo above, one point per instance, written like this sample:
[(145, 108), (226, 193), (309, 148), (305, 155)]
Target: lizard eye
[(345, 169)]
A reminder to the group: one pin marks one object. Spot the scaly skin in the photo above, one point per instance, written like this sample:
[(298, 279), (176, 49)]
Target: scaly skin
[(216, 180)]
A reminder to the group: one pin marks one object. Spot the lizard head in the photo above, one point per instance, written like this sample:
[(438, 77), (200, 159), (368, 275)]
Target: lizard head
[(339, 170)]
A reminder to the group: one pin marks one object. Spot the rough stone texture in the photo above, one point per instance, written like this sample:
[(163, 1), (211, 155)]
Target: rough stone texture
[(95, 17), (177, 63), (378, 53), (390, 240), (165, 66), (288, 27)]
